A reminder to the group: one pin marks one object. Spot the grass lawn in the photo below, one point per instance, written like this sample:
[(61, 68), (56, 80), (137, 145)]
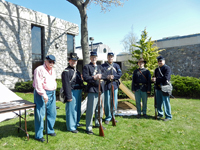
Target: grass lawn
[(130, 133)]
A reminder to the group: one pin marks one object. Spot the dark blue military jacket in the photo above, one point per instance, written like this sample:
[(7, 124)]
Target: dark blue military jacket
[(88, 72), (166, 71), (140, 82), (116, 72), (76, 83)]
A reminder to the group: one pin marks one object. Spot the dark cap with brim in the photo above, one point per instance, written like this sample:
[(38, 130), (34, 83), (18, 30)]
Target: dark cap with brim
[(141, 60), (93, 53), (111, 54), (160, 58), (73, 56), (51, 57)]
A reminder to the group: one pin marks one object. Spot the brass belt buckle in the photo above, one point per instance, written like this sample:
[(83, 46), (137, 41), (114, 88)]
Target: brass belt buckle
[(140, 83)]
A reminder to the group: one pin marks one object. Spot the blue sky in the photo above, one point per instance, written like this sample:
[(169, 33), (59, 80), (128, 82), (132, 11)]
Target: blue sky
[(162, 18)]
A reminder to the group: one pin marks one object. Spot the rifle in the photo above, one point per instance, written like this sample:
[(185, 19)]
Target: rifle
[(112, 104), (46, 121), (155, 103), (101, 133)]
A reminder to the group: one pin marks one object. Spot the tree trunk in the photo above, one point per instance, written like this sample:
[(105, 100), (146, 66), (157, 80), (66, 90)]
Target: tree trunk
[(84, 36)]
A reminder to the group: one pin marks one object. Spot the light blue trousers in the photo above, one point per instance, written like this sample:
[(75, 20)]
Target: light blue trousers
[(73, 110), (138, 96), (165, 102), (107, 106), (39, 113), (92, 105)]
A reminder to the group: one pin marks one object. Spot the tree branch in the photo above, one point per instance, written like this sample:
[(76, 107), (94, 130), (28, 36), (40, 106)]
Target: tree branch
[(86, 2)]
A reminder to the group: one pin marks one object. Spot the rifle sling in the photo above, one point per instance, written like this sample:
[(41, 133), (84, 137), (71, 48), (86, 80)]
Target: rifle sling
[(142, 73)]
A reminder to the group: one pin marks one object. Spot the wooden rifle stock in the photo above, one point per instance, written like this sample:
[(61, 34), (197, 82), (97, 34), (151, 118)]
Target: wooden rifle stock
[(112, 104), (101, 133)]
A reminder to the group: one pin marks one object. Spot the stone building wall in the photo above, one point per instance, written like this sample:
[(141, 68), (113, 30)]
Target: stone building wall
[(183, 60), (16, 45)]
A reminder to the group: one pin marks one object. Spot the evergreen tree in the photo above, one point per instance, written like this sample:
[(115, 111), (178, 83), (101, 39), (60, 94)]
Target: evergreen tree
[(147, 50)]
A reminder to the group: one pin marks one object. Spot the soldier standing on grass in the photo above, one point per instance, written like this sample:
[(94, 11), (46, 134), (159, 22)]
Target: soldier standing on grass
[(141, 85), (162, 75), (44, 92), (72, 86), (92, 73), (114, 73)]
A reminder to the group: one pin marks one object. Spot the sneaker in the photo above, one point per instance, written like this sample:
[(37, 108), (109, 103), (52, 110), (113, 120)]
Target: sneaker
[(52, 134), (80, 125), (107, 122), (41, 139), (89, 132), (159, 117), (166, 119), (138, 116), (74, 131)]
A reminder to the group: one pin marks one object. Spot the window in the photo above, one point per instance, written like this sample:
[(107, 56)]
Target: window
[(70, 44), (37, 33)]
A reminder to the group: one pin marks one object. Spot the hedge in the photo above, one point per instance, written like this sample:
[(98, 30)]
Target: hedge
[(182, 87)]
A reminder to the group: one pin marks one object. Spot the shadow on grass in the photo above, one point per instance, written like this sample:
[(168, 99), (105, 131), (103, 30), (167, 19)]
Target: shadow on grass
[(135, 117), (12, 130), (61, 124)]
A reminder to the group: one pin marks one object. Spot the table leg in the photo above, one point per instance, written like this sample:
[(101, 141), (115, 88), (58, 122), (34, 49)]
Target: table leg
[(19, 120)]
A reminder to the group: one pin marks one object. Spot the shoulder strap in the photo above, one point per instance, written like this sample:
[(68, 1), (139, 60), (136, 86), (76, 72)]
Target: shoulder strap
[(160, 71), (74, 75), (111, 67), (142, 73), (162, 75), (95, 70)]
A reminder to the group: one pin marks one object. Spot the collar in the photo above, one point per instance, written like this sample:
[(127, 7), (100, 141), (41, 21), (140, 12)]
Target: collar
[(49, 71), (92, 64), (142, 68), (109, 63), (70, 67)]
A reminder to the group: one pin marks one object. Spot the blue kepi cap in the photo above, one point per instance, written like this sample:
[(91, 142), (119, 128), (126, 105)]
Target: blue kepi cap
[(51, 57), (93, 53), (111, 54), (160, 58)]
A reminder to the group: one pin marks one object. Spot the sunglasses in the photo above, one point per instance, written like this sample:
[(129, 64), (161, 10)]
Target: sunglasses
[(159, 60), (51, 62)]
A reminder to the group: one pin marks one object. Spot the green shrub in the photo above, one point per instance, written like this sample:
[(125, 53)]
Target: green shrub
[(126, 77), (24, 86), (186, 86), (121, 94)]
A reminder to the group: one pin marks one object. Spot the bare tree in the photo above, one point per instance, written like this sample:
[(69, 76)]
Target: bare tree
[(128, 41), (82, 7)]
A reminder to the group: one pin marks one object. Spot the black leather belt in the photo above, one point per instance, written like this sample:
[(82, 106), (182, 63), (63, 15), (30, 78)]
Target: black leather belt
[(140, 84)]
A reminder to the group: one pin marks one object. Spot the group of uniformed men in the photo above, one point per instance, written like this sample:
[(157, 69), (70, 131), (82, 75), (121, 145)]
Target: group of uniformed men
[(108, 75)]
